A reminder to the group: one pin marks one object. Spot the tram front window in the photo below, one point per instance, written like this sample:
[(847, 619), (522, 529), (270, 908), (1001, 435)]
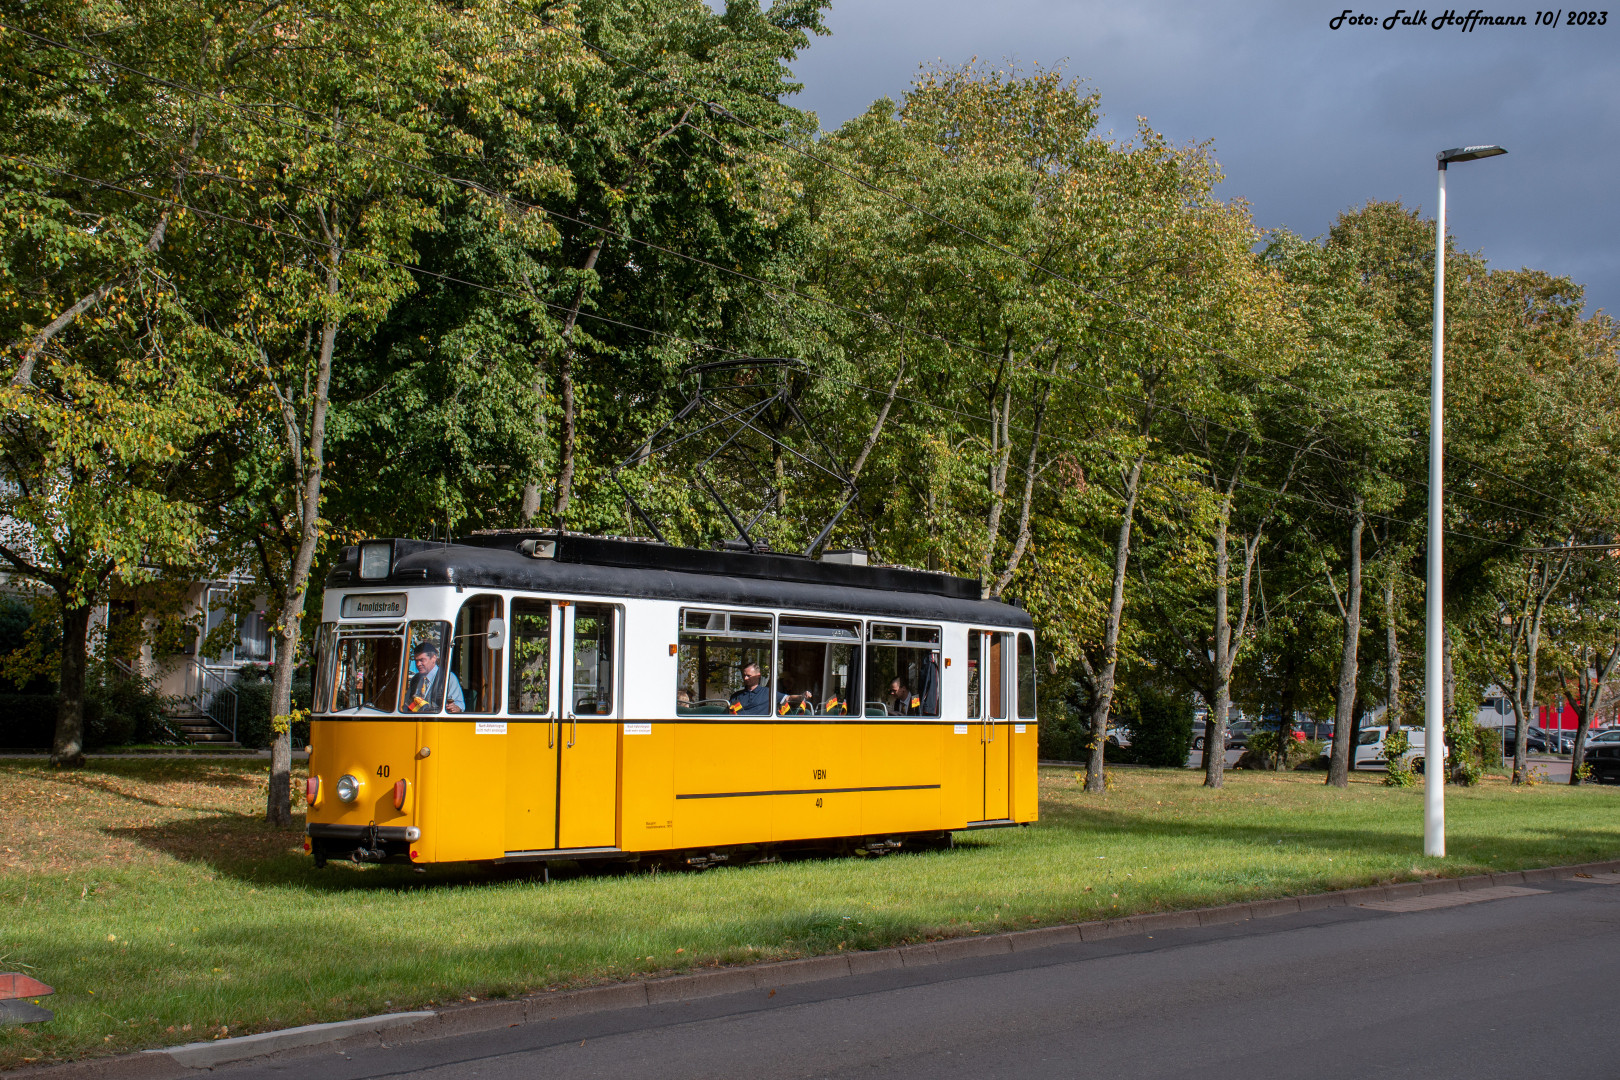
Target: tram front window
[(902, 670), (723, 664), (359, 670), (818, 663), (430, 685)]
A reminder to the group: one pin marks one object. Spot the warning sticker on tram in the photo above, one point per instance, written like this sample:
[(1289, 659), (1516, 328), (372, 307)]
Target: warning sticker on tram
[(490, 727), (374, 606), (638, 729)]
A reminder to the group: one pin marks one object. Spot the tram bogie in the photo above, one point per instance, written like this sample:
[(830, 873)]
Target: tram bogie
[(532, 698)]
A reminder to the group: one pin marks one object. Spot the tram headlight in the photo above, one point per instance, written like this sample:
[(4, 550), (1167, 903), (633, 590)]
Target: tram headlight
[(348, 787)]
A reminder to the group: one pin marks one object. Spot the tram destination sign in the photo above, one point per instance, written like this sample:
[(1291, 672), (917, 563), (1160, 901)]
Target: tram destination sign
[(374, 606)]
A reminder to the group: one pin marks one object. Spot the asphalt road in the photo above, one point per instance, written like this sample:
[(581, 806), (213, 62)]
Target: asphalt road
[(1458, 992)]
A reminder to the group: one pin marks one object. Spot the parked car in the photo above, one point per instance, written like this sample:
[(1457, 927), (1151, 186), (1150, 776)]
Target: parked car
[(1237, 734), (1535, 741), (1315, 729), (1604, 760), (1606, 737), (1370, 748)]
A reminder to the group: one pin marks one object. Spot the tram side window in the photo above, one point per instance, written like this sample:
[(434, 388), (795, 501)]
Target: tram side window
[(975, 685), (1026, 677), (363, 671), (531, 656), (995, 681), (429, 686), (474, 665), (719, 654), (818, 665), (902, 670), (593, 659)]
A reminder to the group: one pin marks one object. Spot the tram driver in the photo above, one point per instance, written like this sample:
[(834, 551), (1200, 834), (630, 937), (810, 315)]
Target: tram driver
[(424, 691)]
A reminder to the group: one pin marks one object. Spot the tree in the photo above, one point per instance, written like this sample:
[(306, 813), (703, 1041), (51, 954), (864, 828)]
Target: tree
[(109, 392)]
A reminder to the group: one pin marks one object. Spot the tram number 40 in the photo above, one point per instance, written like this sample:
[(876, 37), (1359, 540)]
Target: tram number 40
[(382, 770)]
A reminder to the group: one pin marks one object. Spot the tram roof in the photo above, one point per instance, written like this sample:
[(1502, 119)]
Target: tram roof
[(633, 569)]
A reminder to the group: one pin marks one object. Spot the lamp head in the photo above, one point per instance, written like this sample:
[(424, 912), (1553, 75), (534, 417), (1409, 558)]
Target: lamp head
[(1467, 153)]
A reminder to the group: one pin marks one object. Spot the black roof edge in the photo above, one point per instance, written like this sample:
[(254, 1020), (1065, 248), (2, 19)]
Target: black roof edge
[(771, 566)]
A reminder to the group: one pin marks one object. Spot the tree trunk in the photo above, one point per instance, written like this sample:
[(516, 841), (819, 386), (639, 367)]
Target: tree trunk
[(1520, 721), (67, 747), (1392, 658), (278, 809), (1448, 684), (1103, 678), (565, 387), (1592, 692), (1220, 700), (1344, 715), (1583, 719), (1521, 748), (1285, 707)]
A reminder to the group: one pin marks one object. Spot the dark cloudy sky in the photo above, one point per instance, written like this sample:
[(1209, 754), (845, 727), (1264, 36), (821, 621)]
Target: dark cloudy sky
[(1306, 121)]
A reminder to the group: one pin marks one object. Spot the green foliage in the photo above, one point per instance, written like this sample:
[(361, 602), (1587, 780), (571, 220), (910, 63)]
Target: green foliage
[(1473, 749), (1160, 723), (1398, 771), (118, 711), (254, 713)]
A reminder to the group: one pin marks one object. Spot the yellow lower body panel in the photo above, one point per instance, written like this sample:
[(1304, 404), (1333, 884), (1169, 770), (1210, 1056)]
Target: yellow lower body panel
[(491, 789)]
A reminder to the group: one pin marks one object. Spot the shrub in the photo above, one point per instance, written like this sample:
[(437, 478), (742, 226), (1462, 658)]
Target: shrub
[(253, 717), (1310, 752), (117, 711), (1471, 749), (1398, 771), (1160, 724), (27, 721)]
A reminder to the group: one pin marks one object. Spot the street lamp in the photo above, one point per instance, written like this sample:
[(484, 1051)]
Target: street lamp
[(1434, 726)]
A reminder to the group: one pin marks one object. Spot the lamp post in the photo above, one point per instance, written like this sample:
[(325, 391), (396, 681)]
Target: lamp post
[(1434, 726)]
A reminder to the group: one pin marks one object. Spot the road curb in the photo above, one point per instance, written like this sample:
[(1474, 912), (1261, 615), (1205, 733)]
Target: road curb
[(172, 1062)]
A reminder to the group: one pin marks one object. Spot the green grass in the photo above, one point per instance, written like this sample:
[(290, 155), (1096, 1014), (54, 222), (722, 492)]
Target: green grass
[(162, 909)]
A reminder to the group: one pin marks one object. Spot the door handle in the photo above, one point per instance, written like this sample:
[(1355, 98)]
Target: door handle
[(573, 730), (551, 732), (992, 726)]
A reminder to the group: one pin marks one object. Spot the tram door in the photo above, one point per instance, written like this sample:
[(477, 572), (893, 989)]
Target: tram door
[(588, 739), (562, 762), (987, 703)]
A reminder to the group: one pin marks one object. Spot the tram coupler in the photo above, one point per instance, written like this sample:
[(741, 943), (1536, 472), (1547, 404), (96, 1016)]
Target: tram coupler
[(371, 848)]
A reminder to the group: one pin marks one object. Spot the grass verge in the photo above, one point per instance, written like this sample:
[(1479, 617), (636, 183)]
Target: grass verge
[(162, 908)]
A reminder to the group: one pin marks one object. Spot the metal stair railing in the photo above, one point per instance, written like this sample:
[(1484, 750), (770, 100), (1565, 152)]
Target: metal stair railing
[(213, 695)]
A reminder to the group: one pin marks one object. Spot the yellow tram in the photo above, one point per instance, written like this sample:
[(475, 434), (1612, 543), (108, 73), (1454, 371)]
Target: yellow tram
[(525, 696)]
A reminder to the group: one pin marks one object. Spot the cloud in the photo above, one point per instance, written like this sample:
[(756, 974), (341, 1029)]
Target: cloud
[(1306, 121)]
